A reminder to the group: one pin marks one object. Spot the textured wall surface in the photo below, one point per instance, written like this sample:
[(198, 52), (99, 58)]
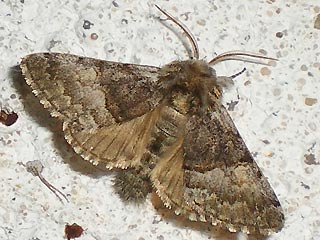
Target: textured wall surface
[(276, 109)]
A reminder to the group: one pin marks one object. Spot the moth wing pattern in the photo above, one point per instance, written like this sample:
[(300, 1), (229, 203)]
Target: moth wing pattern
[(209, 175), (118, 145), (93, 98)]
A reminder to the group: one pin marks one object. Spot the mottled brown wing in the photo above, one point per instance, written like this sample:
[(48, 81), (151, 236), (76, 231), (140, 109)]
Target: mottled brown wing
[(209, 175), (74, 87), (93, 98)]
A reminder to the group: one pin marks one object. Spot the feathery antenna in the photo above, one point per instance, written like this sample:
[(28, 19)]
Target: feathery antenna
[(238, 55), (185, 30)]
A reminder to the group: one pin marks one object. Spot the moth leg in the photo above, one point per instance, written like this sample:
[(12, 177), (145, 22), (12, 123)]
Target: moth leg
[(238, 73), (132, 185), (204, 101), (227, 82)]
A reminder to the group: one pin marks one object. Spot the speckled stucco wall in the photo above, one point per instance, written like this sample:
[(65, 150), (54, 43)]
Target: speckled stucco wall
[(276, 109)]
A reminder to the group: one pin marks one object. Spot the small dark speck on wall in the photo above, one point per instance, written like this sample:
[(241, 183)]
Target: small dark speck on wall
[(87, 24)]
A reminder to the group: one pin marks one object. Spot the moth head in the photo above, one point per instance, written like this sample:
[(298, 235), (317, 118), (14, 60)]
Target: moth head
[(193, 78), (190, 75), (196, 75)]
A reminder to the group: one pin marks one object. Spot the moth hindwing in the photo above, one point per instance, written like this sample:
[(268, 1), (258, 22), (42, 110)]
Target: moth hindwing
[(166, 126)]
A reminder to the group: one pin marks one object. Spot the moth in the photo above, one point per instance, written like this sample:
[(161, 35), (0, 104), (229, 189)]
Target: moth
[(165, 127)]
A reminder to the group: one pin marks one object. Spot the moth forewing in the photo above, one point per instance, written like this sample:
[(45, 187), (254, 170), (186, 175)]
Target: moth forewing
[(167, 126)]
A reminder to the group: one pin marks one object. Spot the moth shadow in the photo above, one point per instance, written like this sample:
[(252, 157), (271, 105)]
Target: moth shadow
[(41, 116), (213, 232)]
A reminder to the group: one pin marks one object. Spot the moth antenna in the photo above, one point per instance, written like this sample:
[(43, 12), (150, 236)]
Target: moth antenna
[(185, 30), (238, 55), (238, 73)]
